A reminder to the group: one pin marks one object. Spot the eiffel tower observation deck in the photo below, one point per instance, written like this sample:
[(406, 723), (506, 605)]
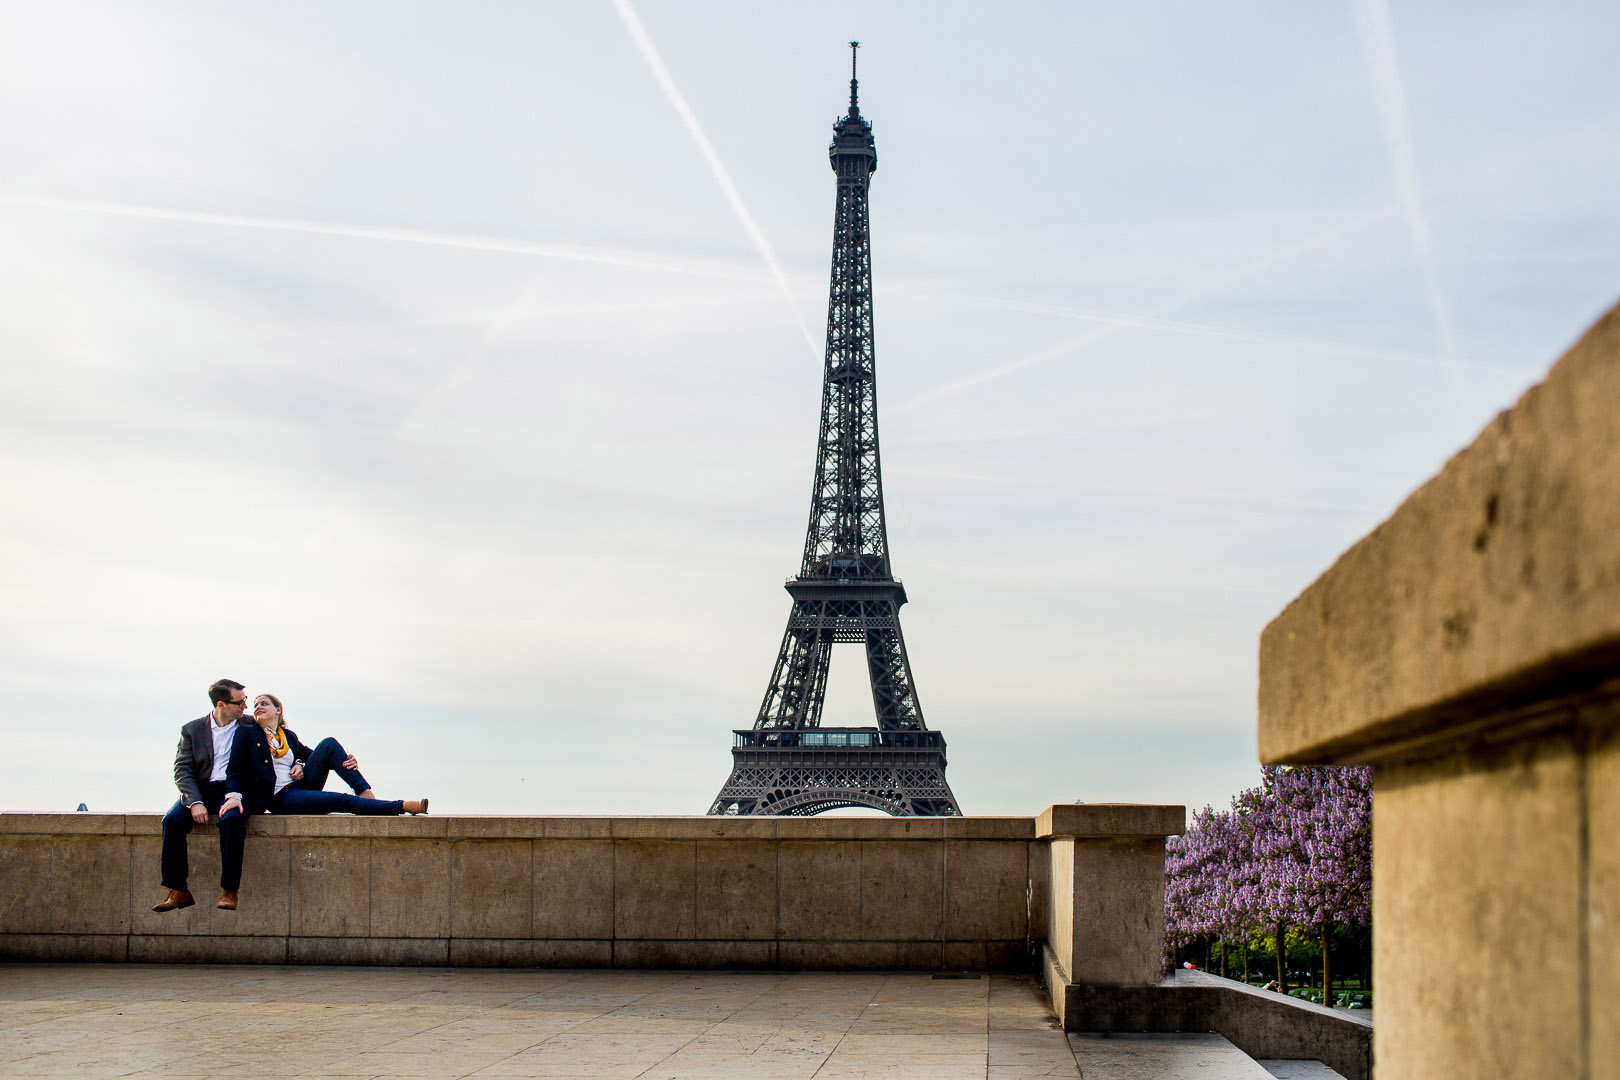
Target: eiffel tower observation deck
[(846, 591)]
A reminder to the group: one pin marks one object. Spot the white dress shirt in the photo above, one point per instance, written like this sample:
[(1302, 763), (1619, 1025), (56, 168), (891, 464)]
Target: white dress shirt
[(223, 737)]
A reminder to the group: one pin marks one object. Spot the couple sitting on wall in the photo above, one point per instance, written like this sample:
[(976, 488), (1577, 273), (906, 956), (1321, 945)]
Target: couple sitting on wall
[(232, 765)]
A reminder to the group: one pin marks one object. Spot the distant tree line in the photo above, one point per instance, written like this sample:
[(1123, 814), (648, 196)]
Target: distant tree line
[(1292, 859)]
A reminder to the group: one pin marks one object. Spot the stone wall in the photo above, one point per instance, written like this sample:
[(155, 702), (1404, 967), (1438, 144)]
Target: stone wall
[(834, 893), (1469, 649)]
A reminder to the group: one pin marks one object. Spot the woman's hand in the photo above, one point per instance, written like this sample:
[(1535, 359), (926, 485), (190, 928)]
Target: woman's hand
[(350, 763), (296, 772)]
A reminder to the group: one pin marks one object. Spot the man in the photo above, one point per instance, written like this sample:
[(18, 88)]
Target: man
[(199, 773)]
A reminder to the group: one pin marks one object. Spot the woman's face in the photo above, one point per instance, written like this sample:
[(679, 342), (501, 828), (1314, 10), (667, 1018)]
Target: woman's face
[(265, 713)]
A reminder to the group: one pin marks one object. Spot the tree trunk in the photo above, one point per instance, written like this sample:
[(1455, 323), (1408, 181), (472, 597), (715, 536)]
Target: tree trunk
[(1327, 970), (1282, 959), (1245, 956), (1223, 958)]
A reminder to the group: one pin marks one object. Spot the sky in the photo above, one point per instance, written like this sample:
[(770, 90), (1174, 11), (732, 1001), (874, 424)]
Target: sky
[(451, 370)]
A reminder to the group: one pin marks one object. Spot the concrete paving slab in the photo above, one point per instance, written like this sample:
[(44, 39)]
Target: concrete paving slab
[(265, 1023), (1288, 1069), (1162, 1057)]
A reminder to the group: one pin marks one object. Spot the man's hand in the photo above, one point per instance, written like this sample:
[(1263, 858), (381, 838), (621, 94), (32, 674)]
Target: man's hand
[(229, 804), (296, 772), (199, 813), (350, 763)]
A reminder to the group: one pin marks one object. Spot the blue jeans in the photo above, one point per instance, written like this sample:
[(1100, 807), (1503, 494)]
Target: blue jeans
[(294, 799), (177, 825), (324, 760)]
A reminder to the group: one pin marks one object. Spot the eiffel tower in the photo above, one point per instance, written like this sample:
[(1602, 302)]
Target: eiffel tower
[(787, 763)]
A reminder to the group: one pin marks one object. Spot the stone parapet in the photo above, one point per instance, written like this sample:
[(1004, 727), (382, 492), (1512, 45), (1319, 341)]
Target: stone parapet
[(641, 892), (1469, 649), (1105, 922)]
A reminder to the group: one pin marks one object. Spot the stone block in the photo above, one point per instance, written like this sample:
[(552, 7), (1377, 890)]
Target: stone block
[(490, 828), (1060, 908), (1011, 955), (579, 828), (987, 889), (1477, 887), (694, 828), (206, 949), (902, 890), (138, 825), (736, 889), (655, 889), (388, 952), (410, 888), (1040, 881), (1495, 580), (330, 887), (860, 828), (25, 882), (823, 882), (264, 903), (1111, 819), (1118, 910), (694, 954), (352, 825), (965, 956), (860, 955), (85, 824), (89, 884), (1603, 890), (573, 888), (489, 952), (492, 886), (989, 828), (64, 948)]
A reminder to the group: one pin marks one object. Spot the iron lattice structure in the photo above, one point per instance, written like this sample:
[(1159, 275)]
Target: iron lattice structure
[(787, 763)]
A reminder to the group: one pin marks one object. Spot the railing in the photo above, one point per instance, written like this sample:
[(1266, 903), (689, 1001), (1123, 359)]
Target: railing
[(837, 739)]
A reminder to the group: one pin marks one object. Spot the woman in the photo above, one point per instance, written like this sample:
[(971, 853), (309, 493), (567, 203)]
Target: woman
[(273, 771)]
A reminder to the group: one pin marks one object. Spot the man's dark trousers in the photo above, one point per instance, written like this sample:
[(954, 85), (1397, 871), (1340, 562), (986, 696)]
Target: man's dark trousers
[(177, 825)]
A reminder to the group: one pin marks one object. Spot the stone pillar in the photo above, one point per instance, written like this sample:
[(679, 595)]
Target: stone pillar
[(1469, 649), (1105, 922)]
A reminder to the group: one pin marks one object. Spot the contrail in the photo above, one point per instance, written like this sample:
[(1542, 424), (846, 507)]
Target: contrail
[(1377, 34), (1171, 326), (649, 53), (453, 381), (1102, 333), (638, 260)]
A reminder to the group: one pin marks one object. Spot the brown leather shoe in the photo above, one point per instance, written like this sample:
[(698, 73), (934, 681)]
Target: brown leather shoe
[(227, 900), (177, 898)]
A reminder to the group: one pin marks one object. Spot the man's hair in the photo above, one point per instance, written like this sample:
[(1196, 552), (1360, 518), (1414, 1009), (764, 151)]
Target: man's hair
[(220, 692)]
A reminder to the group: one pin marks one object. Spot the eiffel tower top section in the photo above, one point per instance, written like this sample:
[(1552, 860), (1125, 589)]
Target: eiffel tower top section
[(847, 540), (853, 151)]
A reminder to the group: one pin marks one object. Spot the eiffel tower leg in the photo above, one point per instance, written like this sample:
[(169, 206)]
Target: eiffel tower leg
[(792, 701), (892, 695), (799, 680)]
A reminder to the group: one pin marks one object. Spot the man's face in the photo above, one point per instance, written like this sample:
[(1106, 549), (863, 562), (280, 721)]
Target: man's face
[(232, 710)]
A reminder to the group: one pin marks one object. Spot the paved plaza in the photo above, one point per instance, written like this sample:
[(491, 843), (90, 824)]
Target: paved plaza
[(256, 1023)]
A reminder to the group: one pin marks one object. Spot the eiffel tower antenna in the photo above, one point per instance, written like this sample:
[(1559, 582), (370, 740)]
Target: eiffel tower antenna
[(845, 592), (854, 85)]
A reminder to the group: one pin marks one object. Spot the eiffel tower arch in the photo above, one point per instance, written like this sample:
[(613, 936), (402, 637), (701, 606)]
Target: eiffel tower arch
[(845, 591)]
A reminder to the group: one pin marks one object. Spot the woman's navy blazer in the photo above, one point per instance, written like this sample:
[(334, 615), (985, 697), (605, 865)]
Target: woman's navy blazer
[(251, 771)]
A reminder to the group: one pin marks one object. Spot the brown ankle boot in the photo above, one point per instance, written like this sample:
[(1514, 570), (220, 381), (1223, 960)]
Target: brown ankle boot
[(177, 898), (415, 806), (227, 900)]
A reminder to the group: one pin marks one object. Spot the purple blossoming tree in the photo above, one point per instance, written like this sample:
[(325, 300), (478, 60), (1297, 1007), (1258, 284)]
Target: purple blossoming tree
[(1295, 851)]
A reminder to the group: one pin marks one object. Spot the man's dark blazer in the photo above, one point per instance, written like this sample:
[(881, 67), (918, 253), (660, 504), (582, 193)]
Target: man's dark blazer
[(194, 757), (252, 770)]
